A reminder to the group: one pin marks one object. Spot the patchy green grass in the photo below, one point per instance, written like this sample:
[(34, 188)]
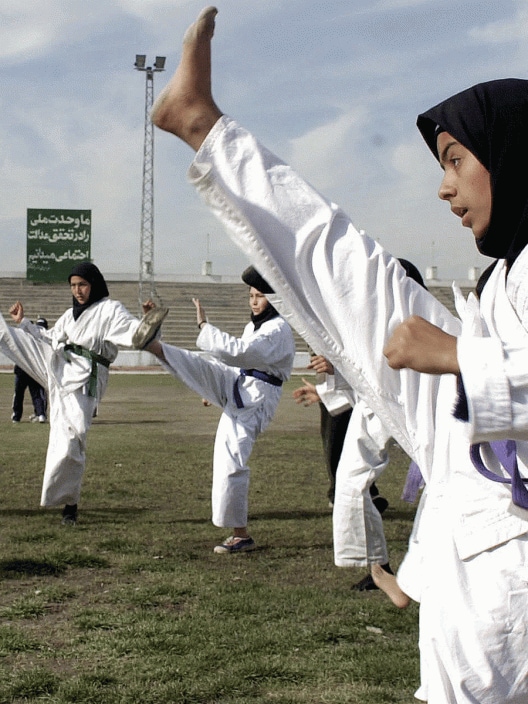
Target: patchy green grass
[(132, 605)]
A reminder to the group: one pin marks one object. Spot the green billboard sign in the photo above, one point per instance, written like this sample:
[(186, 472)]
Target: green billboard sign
[(56, 241)]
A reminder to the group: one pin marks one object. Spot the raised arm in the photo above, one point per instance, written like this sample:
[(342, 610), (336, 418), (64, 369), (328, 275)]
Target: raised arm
[(17, 312), (201, 317)]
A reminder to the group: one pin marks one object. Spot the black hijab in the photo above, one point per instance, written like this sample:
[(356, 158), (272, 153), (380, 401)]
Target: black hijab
[(89, 272), (491, 120), (412, 272), (251, 277), (268, 313)]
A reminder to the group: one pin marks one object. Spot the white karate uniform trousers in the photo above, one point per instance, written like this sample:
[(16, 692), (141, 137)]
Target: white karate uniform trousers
[(237, 430), (359, 539)]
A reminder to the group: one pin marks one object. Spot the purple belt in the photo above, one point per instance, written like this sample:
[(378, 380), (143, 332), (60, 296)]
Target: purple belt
[(506, 452)]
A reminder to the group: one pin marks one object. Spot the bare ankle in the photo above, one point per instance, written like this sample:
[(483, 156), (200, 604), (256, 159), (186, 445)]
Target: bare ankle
[(387, 582), (240, 533)]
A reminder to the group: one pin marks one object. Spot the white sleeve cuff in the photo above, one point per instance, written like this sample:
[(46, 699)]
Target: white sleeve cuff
[(487, 387), (336, 401)]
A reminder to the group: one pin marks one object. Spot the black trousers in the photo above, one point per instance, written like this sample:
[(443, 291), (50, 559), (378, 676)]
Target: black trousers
[(38, 394)]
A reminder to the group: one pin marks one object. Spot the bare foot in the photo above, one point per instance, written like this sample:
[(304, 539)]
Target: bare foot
[(387, 583), (185, 106)]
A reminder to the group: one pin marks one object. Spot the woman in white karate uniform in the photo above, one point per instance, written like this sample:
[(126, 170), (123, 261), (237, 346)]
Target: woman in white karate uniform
[(358, 534), (71, 361), (468, 556), (243, 376)]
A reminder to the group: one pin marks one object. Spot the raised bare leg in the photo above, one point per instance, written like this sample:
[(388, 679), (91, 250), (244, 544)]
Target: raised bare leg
[(185, 107), (387, 583), (155, 347)]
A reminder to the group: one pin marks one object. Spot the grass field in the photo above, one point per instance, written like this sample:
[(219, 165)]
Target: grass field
[(132, 606)]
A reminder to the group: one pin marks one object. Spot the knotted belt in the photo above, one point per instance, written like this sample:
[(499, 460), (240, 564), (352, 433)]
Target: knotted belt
[(506, 452), (263, 376), (95, 360)]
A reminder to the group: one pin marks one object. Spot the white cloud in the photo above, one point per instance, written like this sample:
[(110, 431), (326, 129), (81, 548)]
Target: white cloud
[(511, 29), (321, 154), (148, 9), (416, 168), (390, 5), (27, 27), (30, 28)]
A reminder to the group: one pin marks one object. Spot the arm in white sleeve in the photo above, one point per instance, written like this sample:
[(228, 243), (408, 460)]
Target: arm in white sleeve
[(235, 351), (270, 348), (119, 324), (495, 377), (341, 291), (37, 331), (335, 400)]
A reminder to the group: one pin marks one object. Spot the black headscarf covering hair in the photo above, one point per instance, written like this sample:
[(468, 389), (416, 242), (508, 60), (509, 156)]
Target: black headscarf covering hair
[(412, 272), (491, 120), (251, 277), (89, 272)]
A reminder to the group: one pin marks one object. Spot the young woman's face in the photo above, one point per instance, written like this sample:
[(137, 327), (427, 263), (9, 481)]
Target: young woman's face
[(257, 301), (466, 184), (80, 289)]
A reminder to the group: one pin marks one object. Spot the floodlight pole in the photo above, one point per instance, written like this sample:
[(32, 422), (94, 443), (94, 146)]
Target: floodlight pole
[(147, 287)]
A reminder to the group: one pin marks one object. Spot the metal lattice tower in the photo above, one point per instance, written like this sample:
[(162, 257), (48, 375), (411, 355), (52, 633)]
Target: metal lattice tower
[(147, 286)]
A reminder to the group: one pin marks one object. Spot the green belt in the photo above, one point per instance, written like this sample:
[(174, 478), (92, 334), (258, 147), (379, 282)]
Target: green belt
[(94, 358)]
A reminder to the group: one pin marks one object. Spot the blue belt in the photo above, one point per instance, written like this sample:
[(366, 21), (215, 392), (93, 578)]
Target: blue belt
[(506, 452), (263, 376)]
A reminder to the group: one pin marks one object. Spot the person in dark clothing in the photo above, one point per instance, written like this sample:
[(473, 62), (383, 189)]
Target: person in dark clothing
[(37, 392)]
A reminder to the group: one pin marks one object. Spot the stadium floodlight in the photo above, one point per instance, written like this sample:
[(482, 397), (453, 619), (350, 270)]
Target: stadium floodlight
[(147, 287)]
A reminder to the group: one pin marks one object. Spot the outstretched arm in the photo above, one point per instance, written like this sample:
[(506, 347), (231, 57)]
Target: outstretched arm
[(307, 394)]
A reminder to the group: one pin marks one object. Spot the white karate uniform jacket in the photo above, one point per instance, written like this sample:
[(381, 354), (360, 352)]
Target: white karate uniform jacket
[(100, 328), (467, 561)]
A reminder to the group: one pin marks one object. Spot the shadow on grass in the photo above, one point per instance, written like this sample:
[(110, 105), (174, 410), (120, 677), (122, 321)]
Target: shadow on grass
[(289, 515), (299, 550), (88, 512), (13, 569), (399, 515), (264, 516), (123, 511), (138, 422), (49, 567)]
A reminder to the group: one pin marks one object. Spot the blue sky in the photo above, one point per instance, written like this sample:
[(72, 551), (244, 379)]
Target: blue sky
[(332, 86)]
